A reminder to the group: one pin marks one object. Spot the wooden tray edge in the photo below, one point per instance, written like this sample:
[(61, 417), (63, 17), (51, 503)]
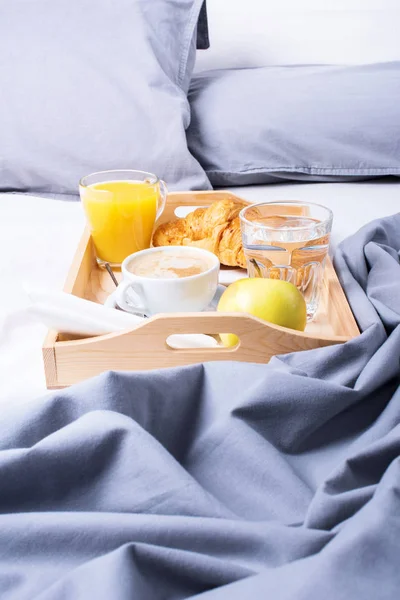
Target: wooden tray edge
[(237, 323), (224, 322)]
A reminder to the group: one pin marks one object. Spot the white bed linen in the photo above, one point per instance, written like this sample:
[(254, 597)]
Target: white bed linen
[(353, 204), (38, 238)]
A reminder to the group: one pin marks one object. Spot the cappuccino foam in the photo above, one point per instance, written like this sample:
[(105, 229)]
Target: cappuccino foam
[(167, 265)]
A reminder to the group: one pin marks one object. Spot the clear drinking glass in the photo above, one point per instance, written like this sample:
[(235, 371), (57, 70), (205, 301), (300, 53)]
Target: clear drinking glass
[(289, 241), (121, 209)]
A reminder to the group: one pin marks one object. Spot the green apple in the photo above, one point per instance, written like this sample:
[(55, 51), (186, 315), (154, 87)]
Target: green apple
[(273, 300)]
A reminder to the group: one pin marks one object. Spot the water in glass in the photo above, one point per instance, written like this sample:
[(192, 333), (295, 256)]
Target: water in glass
[(292, 247)]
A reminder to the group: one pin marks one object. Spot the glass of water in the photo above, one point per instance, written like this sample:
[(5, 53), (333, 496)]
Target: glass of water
[(289, 241)]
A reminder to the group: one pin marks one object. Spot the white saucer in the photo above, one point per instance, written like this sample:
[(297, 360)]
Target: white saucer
[(111, 301)]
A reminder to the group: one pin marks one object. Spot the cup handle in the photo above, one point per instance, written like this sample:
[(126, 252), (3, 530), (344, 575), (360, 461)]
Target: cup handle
[(128, 298), (162, 199)]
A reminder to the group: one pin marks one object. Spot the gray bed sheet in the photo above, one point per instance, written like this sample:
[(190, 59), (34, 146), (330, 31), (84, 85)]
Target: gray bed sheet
[(219, 481)]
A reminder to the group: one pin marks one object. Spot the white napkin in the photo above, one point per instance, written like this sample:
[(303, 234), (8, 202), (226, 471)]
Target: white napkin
[(66, 313)]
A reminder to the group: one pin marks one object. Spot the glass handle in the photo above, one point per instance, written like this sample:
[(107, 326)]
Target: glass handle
[(162, 199)]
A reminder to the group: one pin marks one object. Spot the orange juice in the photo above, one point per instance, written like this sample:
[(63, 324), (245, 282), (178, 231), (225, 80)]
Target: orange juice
[(121, 216)]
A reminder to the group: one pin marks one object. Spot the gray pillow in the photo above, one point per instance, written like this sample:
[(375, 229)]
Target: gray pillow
[(90, 85), (314, 123), (203, 39)]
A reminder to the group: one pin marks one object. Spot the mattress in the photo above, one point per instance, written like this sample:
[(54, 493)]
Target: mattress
[(38, 237)]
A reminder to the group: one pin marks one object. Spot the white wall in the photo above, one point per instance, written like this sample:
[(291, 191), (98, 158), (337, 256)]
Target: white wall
[(245, 33)]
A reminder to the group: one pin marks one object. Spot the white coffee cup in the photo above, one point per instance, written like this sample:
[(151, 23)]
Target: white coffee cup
[(149, 295)]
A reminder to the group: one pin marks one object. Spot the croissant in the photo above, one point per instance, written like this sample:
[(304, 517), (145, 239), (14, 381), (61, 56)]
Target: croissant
[(215, 228)]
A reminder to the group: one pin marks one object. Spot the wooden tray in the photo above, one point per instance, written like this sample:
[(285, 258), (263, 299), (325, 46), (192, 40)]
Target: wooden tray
[(68, 361)]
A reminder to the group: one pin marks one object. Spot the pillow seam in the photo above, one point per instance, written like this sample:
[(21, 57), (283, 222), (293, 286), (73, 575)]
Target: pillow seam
[(310, 170), (187, 39)]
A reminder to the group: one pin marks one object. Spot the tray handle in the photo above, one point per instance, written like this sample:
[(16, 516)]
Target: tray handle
[(258, 340)]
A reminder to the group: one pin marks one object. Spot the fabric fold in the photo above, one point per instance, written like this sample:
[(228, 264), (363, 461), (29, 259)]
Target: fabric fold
[(222, 480)]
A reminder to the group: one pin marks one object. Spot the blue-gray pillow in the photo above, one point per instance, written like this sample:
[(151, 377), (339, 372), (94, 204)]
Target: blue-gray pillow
[(313, 123), (91, 85)]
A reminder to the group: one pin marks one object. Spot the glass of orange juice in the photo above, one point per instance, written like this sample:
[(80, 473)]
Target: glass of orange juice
[(121, 208)]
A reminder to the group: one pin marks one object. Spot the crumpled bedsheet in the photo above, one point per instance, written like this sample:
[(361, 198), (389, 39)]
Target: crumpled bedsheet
[(219, 481)]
